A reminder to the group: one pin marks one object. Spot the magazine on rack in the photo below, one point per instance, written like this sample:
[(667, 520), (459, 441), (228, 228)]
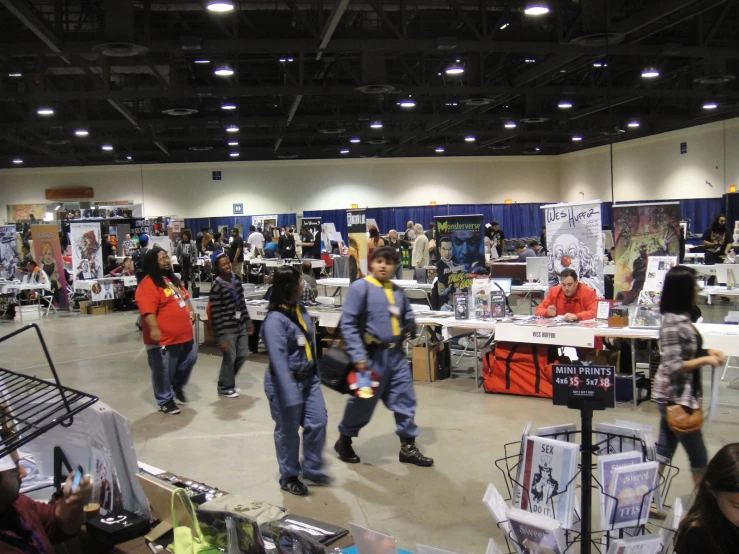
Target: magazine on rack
[(643, 544), (564, 432), (461, 305), (549, 466), (497, 507), (606, 466), (632, 486), (613, 438), (536, 534), (667, 533), (493, 548), (481, 298), (517, 490)]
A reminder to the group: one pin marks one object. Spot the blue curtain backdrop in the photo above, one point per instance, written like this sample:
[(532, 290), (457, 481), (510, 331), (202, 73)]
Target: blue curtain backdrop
[(216, 223)]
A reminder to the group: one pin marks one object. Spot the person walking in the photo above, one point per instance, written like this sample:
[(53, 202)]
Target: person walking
[(236, 252), (231, 324), (187, 255), (420, 257), (397, 245), (678, 383), (167, 324), (376, 318), (292, 385), (286, 245)]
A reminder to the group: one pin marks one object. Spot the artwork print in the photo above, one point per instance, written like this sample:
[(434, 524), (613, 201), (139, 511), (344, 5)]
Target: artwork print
[(461, 252), (48, 254), (8, 252), (87, 253)]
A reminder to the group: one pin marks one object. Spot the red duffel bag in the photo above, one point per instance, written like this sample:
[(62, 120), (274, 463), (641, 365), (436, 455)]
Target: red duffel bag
[(514, 368)]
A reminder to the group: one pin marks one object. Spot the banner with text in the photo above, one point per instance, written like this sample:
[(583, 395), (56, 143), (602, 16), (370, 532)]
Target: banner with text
[(461, 246), (356, 224), (575, 241), (641, 231), (48, 255), (87, 254), (8, 252)]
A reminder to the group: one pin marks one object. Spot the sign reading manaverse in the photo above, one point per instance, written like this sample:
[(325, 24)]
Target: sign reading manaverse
[(588, 382), (238, 209)]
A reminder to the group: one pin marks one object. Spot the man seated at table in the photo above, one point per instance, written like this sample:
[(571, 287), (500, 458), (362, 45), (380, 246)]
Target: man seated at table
[(574, 300)]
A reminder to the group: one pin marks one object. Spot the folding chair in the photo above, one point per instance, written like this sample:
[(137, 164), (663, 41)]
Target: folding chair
[(49, 303), (419, 295)]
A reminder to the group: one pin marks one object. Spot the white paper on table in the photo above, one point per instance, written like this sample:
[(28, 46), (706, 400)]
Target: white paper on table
[(329, 319)]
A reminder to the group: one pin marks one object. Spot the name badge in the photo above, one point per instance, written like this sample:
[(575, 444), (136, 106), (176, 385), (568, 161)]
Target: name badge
[(182, 303), (301, 340), (394, 310), (237, 316)]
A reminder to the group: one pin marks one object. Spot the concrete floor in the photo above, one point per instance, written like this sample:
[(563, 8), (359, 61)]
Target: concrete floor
[(228, 442)]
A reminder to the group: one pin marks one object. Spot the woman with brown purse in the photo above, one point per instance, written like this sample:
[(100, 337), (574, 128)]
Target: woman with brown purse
[(677, 384)]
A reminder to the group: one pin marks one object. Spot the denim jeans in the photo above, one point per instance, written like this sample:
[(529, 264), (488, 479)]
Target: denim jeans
[(233, 358), (170, 368), (692, 443)]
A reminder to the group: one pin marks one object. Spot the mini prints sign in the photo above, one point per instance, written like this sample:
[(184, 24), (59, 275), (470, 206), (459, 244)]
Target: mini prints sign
[(238, 209)]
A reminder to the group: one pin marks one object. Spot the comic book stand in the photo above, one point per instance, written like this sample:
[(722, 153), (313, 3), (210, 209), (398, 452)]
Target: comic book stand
[(585, 536), (29, 406)]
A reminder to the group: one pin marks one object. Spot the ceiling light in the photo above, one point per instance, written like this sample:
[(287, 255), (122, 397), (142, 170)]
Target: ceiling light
[(107, 147), (232, 129), (228, 106), (537, 149), (129, 158), (407, 103), (710, 106), (633, 124), (376, 125), (536, 7), (202, 61), (45, 111), (82, 132), (530, 60), (564, 105), (355, 140), (15, 75), (439, 149), (650, 73), (469, 138), (576, 138), (233, 143), (234, 154), (504, 26), (224, 70), (220, 6), (17, 161), (511, 125), (344, 151), (455, 69)]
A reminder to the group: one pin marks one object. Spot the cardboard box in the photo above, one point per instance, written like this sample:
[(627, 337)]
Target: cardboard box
[(420, 363), (108, 305), (97, 310), (85, 306)]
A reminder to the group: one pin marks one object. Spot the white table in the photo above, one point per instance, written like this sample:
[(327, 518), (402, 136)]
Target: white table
[(7, 287), (702, 269), (86, 284), (710, 292), (694, 256), (340, 284)]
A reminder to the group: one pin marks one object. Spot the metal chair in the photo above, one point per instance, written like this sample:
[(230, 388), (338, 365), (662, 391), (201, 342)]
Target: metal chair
[(419, 295)]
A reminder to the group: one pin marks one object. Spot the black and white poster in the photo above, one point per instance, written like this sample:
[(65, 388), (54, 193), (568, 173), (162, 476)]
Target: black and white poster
[(8, 252)]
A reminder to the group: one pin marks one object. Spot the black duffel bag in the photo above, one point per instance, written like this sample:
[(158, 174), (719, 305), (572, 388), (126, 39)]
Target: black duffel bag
[(334, 367)]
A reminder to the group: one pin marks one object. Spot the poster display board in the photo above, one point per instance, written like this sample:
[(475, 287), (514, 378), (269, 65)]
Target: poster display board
[(8, 252), (87, 254), (327, 231), (264, 221), (641, 231), (313, 224), (47, 252), (461, 252), (657, 268), (575, 241), (23, 212), (356, 224), (162, 242)]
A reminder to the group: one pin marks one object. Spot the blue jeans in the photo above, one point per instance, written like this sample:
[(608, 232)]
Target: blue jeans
[(233, 358), (170, 368), (692, 443)]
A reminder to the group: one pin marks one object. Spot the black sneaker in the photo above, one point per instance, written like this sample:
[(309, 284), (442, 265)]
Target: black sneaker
[(180, 397), (345, 451), (295, 486), (170, 408), (410, 454), (228, 394)]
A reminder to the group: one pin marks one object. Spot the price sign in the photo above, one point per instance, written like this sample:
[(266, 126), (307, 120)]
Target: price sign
[(584, 382)]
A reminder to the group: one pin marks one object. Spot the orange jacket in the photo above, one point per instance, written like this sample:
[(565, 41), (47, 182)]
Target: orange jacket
[(584, 304)]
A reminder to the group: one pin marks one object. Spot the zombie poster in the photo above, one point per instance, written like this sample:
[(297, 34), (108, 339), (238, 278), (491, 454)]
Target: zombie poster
[(575, 241), (87, 253), (461, 248), (640, 231), (48, 255), (356, 224), (8, 252)]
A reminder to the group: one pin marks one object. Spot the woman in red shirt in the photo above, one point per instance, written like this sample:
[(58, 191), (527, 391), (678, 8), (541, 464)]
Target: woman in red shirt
[(167, 317)]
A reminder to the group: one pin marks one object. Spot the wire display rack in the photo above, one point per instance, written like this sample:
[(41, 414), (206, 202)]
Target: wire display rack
[(30, 406)]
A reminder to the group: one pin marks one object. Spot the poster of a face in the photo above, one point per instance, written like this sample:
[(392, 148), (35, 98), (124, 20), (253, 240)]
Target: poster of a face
[(8, 252), (575, 241), (461, 252), (48, 254), (87, 254), (640, 231), (358, 247)]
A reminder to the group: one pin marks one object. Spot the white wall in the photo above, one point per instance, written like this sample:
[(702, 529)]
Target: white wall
[(652, 168), (188, 190)]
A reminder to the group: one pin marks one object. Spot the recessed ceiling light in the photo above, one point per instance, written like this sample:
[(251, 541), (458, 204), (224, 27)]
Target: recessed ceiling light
[(439, 150), (536, 7), (457, 68), (107, 147), (564, 105), (530, 60), (633, 124), (355, 140), (376, 125), (82, 132), (220, 6), (202, 61), (201, 148), (537, 149), (469, 138), (232, 129), (15, 75), (504, 26), (710, 106), (45, 111), (224, 70), (577, 138), (510, 125), (17, 161), (650, 73), (234, 154), (129, 158), (344, 151), (228, 106), (407, 103), (233, 143)]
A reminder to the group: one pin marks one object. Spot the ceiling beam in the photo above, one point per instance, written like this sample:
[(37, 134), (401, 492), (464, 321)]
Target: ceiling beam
[(25, 13)]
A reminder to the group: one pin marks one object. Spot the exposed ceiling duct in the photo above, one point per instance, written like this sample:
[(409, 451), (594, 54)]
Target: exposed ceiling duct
[(119, 31)]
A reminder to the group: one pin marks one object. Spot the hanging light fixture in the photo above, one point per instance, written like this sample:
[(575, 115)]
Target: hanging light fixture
[(576, 138), (536, 7), (224, 70), (439, 150), (82, 132), (344, 151), (407, 103), (510, 125), (355, 140), (564, 105), (456, 68), (633, 124), (232, 129), (376, 125), (234, 154), (650, 73), (469, 138), (17, 161), (106, 147), (233, 143), (228, 106), (710, 105), (220, 6), (45, 110)]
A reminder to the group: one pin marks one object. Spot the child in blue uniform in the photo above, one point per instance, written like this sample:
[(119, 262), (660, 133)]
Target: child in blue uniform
[(377, 317), (292, 385)]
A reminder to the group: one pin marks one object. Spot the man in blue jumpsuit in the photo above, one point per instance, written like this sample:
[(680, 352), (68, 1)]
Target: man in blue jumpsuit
[(376, 318)]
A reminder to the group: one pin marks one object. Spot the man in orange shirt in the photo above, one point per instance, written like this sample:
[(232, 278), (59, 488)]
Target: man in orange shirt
[(575, 301)]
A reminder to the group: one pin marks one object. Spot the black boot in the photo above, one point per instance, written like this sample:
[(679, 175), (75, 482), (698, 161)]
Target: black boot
[(345, 451), (410, 454)]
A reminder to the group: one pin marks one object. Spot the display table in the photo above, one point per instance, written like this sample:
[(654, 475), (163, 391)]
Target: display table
[(710, 292), (29, 311), (341, 284), (86, 284)]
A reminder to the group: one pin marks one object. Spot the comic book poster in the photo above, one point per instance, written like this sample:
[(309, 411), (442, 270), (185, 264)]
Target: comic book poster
[(87, 252), (48, 255), (461, 253), (8, 252), (575, 241), (640, 231), (356, 225)]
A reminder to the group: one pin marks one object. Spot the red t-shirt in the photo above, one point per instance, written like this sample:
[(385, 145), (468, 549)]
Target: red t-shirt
[(35, 528), (173, 320)]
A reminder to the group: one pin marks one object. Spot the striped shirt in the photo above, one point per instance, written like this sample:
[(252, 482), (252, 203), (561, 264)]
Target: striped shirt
[(224, 307)]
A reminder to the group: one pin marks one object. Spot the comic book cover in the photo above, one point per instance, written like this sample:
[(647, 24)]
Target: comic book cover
[(643, 544), (497, 304), (481, 298), (536, 534), (461, 253), (461, 306)]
